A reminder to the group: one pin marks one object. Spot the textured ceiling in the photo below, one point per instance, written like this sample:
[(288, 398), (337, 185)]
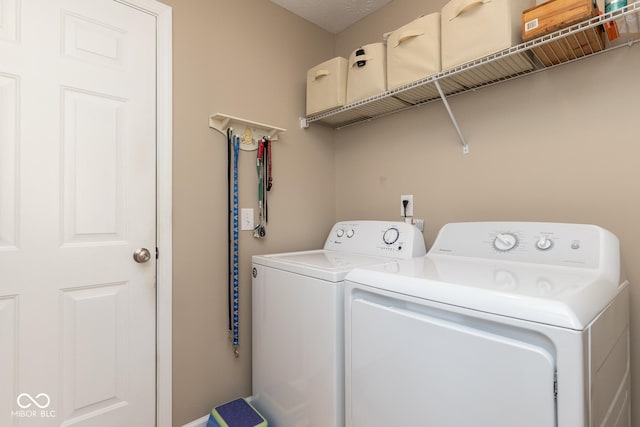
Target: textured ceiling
[(332, 15)]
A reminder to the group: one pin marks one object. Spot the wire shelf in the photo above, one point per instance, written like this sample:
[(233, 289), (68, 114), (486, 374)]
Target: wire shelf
[(560, 47)]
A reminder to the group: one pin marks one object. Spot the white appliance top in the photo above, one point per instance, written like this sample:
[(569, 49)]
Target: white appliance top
[(351, 244), (556, 274)]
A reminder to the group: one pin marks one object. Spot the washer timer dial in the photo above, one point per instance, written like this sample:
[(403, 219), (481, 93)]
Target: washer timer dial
[(505, 242), (391, 236)]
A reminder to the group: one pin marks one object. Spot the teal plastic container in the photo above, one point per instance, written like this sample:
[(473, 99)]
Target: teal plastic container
[(610, 5)]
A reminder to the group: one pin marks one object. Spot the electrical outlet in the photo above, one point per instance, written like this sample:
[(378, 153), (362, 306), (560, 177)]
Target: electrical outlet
[(409, 209), (246, 219)]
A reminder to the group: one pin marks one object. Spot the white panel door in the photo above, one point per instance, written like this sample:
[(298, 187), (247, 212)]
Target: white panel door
[(411, 366), (77, 198)]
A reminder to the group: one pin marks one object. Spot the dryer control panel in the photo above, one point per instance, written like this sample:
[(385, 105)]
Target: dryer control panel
[(576, 245), (391, 239)]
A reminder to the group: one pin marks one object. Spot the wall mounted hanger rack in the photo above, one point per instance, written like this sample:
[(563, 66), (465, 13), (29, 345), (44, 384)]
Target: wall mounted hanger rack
[(249, 131), (241, 134)]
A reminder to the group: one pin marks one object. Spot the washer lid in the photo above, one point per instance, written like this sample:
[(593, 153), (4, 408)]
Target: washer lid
[(564, 297), (322, 264)]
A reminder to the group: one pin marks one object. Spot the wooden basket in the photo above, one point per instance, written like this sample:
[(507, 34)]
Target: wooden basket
[(555, 15)]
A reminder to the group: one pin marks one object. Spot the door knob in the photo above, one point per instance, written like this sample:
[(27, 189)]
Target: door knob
[(142, 255)]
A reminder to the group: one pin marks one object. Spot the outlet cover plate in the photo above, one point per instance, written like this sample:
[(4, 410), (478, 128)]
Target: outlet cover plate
[(409, 211), (246, 219)]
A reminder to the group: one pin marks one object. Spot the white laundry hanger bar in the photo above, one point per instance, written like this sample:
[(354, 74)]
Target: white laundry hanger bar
[(250, 132)]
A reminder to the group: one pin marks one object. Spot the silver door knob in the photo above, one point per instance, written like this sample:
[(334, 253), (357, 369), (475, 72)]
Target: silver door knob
[(142, 255)]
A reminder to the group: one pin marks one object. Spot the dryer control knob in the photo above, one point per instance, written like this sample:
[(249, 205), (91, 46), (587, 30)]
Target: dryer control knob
[(340, 232), (544, 243), (350, 233), (505, 242)]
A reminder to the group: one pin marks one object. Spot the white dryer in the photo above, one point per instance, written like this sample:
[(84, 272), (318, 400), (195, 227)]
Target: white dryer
[(502, 324), (298, 320)]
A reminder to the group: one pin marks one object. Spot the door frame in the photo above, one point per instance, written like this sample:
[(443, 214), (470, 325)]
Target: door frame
[(164, 150)]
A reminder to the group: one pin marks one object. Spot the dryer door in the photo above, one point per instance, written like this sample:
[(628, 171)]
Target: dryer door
[(412, 364)]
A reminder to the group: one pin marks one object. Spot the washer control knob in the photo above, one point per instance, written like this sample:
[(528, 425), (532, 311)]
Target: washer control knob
[(350, 233), (391, 236), (340, 232), (544, 243), (505, 242)]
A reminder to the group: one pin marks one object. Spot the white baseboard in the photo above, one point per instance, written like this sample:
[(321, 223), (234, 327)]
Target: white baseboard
[(200, 422)]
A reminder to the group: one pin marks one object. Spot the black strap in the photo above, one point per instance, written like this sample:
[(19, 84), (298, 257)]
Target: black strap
[(229, 219)]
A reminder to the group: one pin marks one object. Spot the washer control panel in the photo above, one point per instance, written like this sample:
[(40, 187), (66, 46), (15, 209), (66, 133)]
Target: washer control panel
[(380, 238), (577, 245)]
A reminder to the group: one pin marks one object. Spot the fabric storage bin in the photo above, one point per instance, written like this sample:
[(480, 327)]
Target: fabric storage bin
[(367, 74), (472, 29), (413, 51), (327, 86)]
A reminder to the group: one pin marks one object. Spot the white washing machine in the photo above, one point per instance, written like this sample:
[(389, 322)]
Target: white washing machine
[(298, 320), (501, 324)]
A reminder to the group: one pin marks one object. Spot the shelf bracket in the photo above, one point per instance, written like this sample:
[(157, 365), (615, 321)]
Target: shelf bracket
[(465, 147), (304, 123)]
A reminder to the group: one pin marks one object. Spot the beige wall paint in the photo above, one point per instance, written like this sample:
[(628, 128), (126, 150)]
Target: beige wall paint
[(561, 146), (247, 59), (549, 147)]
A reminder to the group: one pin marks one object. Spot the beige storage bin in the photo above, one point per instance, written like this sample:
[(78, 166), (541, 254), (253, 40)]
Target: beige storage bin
[(413, 51), (367, 72), (327, 86), (472, 29)]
